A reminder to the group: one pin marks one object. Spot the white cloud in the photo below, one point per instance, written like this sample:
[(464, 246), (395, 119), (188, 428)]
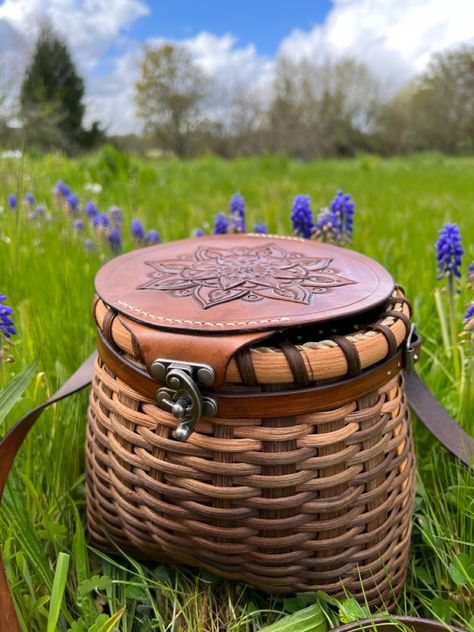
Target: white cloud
[(395, 38)]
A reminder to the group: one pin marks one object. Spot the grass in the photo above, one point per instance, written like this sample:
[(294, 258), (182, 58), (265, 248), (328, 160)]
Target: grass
[(58, 582)]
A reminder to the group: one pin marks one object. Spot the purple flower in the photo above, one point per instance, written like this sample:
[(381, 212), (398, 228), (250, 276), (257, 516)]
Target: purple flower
[(470, 273), (152, 237), (343, 209), (116, 217), (198, 232), (7, 326), (91, 209), (221, 223), (302, 216), (237, 214), (449, 251), (72, 202), (12, 201), (326, 227), (62, 189), (41, 211), (260, 228), (79, 224), (137, 230), (115, 239), (29, 198), (100, 221), (469, 314)]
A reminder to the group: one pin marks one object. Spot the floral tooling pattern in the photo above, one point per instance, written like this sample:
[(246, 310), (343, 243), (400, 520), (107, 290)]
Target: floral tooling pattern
[(213, 276)]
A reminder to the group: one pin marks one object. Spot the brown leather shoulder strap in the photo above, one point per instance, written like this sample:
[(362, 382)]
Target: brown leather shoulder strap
[(9, 446), (427, 408), (438, 421)]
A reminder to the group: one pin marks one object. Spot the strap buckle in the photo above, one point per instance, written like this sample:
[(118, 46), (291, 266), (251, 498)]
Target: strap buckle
[(410, 349)]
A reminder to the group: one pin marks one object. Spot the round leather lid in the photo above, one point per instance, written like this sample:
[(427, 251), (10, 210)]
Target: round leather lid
[(224, 283)]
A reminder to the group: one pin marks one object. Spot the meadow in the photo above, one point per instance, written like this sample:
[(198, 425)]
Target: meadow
[(48, 266)]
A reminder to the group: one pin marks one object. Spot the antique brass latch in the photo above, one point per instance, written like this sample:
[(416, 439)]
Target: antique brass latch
[(181, 397)]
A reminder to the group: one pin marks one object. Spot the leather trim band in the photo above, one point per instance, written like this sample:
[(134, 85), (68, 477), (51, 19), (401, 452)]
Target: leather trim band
[(260, 405)]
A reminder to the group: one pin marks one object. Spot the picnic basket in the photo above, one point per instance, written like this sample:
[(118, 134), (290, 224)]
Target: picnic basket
[(248, 414)]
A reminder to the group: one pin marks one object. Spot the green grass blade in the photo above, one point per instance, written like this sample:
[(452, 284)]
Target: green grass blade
[(15, 388), (57, 593), (309, 619)]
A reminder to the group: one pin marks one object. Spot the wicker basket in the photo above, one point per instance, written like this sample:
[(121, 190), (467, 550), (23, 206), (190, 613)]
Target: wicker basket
[(305, 480)]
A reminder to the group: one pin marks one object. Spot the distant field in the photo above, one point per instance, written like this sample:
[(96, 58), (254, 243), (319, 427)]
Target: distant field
[(47, 274)]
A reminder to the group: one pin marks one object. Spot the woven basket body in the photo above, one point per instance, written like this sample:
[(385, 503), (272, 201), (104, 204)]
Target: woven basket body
[(316, 501)]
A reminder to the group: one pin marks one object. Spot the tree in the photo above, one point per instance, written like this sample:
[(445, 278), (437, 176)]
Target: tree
[(169, 96), (443, 104), (52, 93), (321, 109)]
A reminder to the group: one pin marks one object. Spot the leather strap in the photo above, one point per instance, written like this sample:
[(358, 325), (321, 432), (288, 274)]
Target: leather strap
[(9, 446), (257, 405), (423, 402)]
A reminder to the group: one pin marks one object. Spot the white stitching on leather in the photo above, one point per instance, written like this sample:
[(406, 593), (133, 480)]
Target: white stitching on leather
[(264, 321)]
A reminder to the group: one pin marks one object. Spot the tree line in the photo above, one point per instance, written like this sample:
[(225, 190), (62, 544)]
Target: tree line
[(313, 108)]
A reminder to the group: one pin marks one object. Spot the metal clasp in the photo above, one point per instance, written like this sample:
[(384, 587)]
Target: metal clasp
[(410, 354), (182, 397)]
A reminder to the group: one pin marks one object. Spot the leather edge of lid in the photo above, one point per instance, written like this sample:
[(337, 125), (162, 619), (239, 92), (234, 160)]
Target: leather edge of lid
[(213, 349)]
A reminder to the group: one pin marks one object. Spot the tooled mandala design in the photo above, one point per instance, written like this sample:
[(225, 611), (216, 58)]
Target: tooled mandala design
[(213, 276)]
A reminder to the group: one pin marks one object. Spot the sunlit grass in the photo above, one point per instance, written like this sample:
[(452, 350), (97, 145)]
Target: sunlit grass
[(48, 277)]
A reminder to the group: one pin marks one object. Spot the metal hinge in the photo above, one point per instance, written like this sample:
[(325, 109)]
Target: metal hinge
[(182, 397), (410, 350)]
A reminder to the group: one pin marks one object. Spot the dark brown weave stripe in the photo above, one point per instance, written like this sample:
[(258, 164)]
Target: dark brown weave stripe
[(389, 337), (107, 324), (296, 362), (350, 352), (401, 316), (245, 365), (394, 301)]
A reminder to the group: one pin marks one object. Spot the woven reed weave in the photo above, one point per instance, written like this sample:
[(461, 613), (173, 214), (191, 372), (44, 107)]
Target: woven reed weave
[(322, 501)]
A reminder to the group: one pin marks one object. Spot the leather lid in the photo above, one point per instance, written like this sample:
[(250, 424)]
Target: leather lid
[(237, 283)]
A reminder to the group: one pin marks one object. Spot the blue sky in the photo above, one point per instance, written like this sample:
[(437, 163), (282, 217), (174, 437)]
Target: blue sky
[(261, 22), (235, 43)]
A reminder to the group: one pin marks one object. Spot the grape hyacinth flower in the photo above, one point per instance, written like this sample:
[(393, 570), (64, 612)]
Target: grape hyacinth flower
[(137, 230), (30, 199), (7, 328), (470, 276), (152, 237), (469, 315), (115, 239), (91, 209), (100, 222), (72, 203), (343, 208), (221, 224), (12, 201), (40, 210), (62, 189), (116, 217), (237, 214), (260, 228), (449, 252), (325, 228), (79, 225), (198, 232), (302, 216)]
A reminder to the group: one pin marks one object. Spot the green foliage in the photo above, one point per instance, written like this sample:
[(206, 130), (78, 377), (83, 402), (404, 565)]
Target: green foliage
[(51, 98), (169, 96), (48, 278)]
